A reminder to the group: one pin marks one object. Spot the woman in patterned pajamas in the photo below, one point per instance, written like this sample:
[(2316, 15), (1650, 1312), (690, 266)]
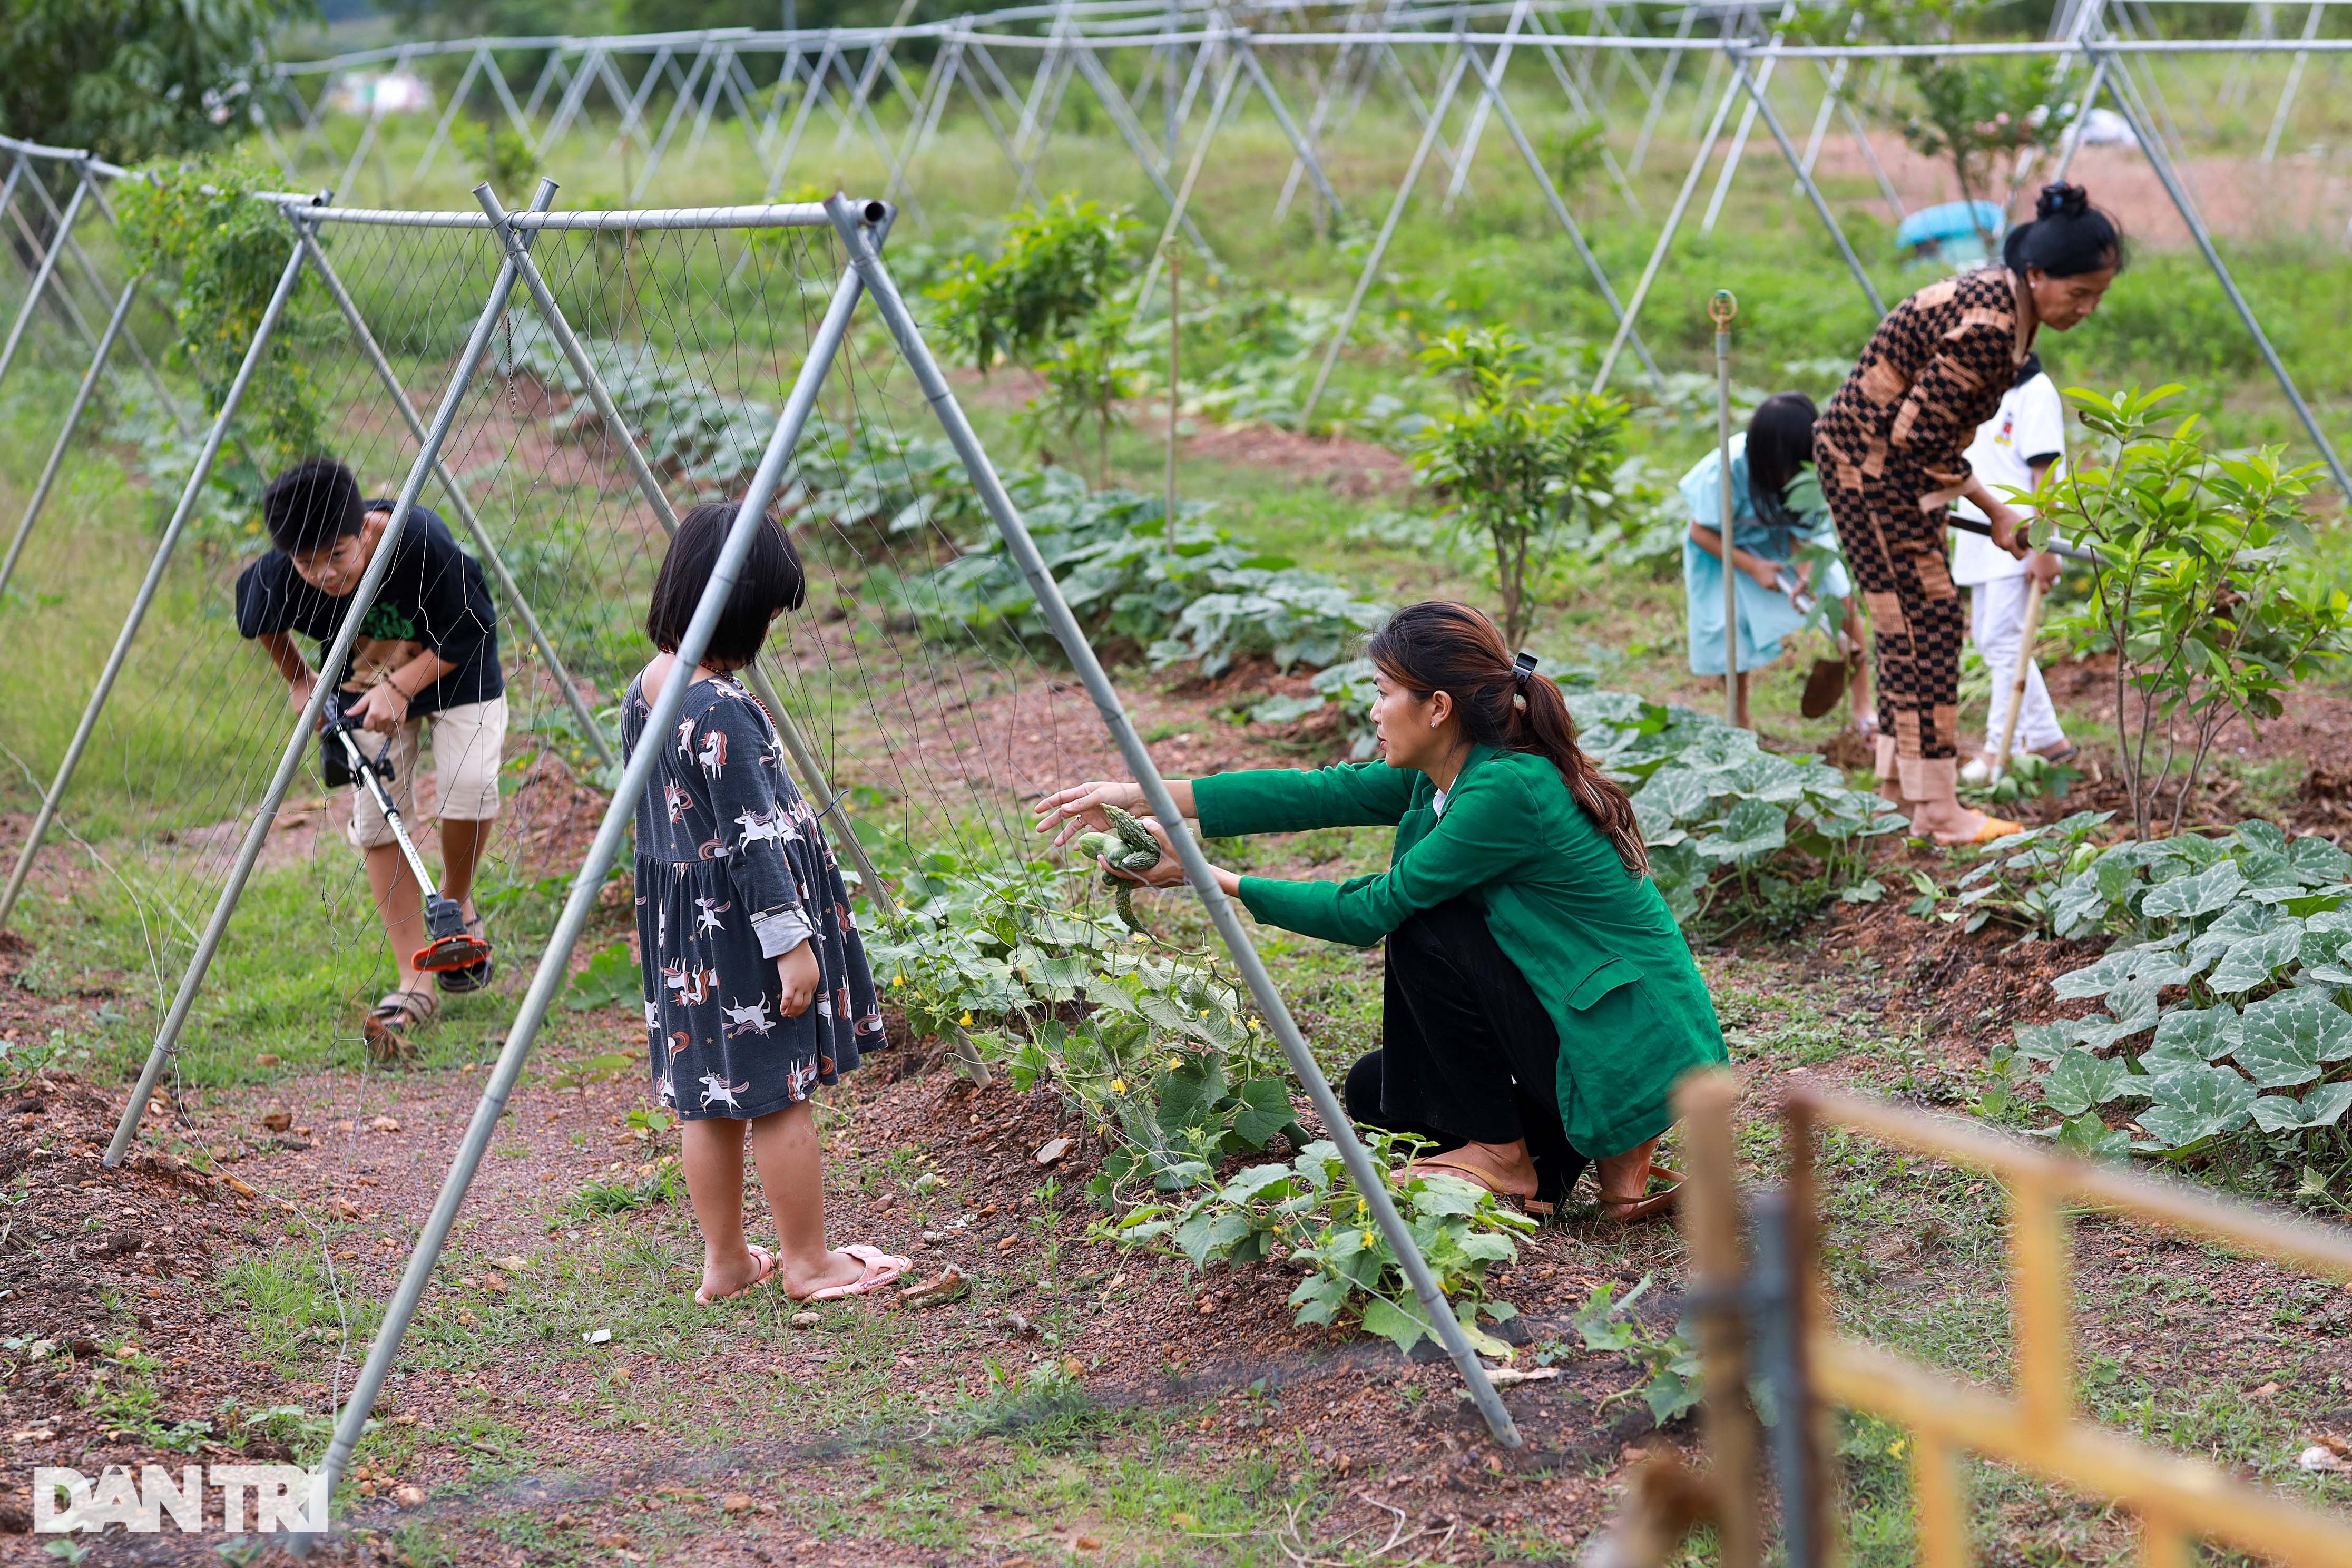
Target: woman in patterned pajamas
[(1889, 449)]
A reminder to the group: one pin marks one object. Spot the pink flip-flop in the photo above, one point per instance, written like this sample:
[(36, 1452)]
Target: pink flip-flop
[(881, 1269), (767, 1272)]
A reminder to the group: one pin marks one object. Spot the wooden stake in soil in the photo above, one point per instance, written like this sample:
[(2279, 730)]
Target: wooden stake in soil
[(1720, 310), (1175, 329), (1704, 1103)]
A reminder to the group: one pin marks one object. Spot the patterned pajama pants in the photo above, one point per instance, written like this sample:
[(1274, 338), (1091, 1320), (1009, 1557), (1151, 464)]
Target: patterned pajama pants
[(1896, 552)]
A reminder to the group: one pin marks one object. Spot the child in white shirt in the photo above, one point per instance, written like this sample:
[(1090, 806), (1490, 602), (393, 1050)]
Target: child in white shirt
[(2017, 446)]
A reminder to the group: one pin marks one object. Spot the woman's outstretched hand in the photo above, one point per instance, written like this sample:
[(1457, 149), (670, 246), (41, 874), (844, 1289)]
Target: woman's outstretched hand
[(1067, 813), (1167, 872)]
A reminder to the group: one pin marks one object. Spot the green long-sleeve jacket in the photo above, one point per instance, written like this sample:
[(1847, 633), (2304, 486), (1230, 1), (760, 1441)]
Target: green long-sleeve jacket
[(1598, 945)]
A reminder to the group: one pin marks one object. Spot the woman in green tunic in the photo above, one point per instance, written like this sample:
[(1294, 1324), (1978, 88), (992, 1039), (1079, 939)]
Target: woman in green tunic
[(1541, 1002)]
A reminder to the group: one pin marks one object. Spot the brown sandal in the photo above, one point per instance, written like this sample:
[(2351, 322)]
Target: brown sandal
[(1626, 1211), (388, 1029), (1476, 1176)]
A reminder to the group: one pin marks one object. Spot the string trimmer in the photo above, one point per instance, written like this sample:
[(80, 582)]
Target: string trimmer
[(448, 944)]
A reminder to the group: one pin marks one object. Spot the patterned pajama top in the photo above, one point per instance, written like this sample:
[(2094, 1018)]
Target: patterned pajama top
[(1891, 451), (734, 870)]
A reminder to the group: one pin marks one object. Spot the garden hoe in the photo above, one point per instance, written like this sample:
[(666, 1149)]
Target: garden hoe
[(448, 944)]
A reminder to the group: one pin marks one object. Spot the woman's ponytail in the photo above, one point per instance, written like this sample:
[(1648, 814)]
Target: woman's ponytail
[(1545, 726), (1439, 645)]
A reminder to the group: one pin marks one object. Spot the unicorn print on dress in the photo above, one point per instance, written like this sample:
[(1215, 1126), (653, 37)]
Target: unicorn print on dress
[(765, 828), (800, 1079), (717, 1091), (725, 851), (693, 985), (751, 1020)]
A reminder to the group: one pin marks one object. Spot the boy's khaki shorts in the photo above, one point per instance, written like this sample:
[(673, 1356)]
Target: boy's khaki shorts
[(469, 744)]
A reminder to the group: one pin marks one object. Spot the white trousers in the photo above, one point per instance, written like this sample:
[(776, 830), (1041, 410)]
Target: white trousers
[(1997, 622)]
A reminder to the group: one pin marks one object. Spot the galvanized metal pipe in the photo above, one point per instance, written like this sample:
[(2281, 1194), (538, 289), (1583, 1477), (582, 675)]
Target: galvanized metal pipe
[(2162, 163), (804, 757), (2294, 81), (1388, 231), (1217, 106), (65, 435), (588, 884), (41, 276), (297, 742), (149, 585), (1805, 177), (1722, 308), (1666, 237), (1370, 1181), (508, 586), (1560, 212)]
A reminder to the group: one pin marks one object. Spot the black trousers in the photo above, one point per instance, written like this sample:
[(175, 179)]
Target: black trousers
[(1468, 1055)]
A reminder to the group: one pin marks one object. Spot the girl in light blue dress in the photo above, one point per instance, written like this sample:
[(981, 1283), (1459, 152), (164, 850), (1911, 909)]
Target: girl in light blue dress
[(1780, 529)]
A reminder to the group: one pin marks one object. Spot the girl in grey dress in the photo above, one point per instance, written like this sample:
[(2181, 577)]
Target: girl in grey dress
[(756, 984)]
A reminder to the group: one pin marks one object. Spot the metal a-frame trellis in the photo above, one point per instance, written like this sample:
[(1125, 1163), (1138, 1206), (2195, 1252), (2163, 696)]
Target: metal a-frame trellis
[(859, 228), (1222, 57), (43, 235), (1204, 58), (746, 77)]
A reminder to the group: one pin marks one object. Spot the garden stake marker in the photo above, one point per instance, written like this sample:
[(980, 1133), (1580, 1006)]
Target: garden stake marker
[(1175, 319), (1720, 310)]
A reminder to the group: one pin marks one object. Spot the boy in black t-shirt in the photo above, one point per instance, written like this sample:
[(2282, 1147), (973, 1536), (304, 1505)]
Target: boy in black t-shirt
[(428, 649)]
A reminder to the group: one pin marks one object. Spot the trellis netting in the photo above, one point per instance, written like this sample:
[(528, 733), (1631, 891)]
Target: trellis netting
[(568, 385), (74, 314)]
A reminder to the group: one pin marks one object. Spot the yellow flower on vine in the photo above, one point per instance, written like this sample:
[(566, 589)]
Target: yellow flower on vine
[(1175, 1063), (1118, 1086), (965, 1021)]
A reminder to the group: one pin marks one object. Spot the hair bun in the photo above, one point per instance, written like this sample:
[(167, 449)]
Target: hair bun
[(2061, 200)]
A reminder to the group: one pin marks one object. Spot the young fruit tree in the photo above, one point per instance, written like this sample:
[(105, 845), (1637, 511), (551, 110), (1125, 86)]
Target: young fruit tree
[(2200, 590), (1521, 468), (1046, 301), (1979, 115)]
